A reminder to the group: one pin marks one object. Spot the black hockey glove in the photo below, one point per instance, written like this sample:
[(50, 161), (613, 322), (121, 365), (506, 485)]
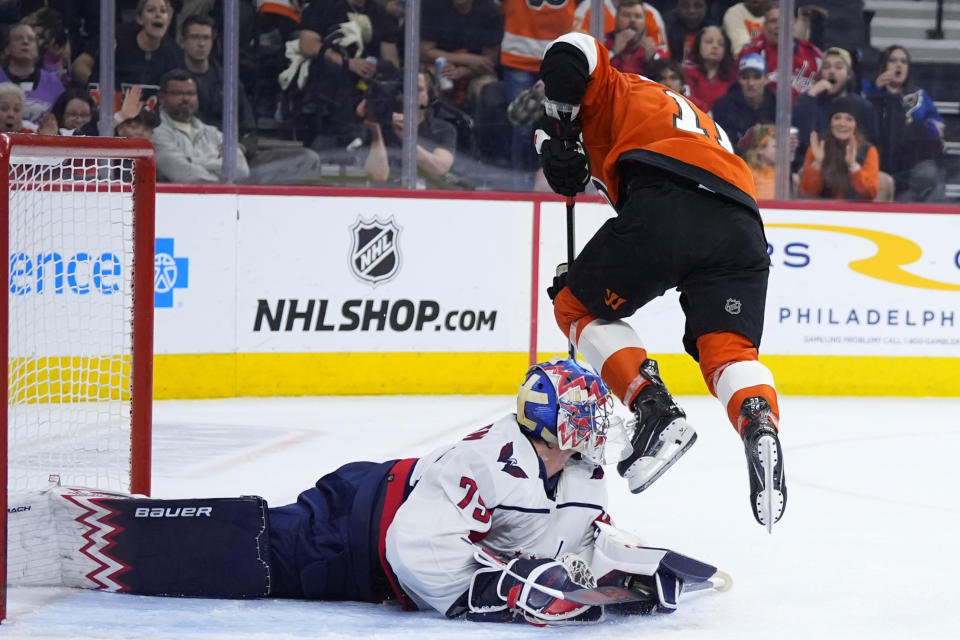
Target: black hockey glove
[(501, 594), (565, 162), (559, 281)]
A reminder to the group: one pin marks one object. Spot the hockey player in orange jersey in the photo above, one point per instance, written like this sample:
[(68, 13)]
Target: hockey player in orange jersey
[(688, 219)]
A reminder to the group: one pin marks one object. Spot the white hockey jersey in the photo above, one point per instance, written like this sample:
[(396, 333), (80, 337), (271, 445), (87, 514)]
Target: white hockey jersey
[(488, 487)]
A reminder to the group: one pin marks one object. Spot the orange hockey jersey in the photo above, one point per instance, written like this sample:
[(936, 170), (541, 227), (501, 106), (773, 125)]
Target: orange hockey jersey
[(529, 27), (654, 22), (627, 117)]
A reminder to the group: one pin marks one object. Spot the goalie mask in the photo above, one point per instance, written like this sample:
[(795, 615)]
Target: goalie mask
[(560, 402)]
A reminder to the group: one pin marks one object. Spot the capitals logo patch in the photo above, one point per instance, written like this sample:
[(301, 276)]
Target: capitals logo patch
[(509, 462), (375, 254)]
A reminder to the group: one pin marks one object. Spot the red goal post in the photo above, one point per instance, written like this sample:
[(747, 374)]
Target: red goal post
[(76, 320)]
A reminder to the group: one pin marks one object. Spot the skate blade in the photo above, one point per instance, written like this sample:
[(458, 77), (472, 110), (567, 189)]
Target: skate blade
[(674, 442), (769, 501)]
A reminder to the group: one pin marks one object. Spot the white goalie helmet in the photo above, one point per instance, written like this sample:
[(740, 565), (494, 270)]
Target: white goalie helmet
[(561, 402)]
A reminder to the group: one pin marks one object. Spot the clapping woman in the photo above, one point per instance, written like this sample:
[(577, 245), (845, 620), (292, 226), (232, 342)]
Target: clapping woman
[(840, 163)]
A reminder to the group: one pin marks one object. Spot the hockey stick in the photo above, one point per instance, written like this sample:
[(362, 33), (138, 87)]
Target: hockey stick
[(571, 201)]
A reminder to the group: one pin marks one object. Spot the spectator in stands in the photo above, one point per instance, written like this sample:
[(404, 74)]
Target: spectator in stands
[(910, 129), (806, 57), (743, 22), (841, 163), (631, 47), (436, 138), (144, 52), (749, 102), (655, 27), (345, 39), (188, 150), (141, 125), (11, 109), (129, 108), (254, 18), (526, 29), (73, 109), (668, 72), (759, 149), (197, 34), (20, 66), (710, 73), (683, 25), (466, 34), (53, 42), (811, 112), (12, 100)]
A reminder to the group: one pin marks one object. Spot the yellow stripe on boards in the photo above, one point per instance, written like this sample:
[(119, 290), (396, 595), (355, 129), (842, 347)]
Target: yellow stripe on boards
[(295, 374), (292, 374)]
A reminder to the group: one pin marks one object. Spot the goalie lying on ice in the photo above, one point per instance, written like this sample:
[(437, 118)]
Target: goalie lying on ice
[(527, 489)]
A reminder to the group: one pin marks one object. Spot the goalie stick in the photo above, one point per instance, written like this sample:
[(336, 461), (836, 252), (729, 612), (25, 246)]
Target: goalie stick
[(597, 596)]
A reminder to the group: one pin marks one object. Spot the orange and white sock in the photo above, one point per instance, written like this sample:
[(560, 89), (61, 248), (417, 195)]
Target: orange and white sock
[(611, 347), (733, 373)]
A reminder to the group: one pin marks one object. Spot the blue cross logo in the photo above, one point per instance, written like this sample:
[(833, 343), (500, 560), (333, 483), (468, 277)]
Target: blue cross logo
[(169, 273)]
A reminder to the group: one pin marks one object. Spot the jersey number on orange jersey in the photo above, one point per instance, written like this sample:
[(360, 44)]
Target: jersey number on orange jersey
[(688, 120)]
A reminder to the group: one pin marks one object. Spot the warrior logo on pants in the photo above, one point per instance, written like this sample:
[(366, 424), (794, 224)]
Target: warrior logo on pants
[(375, 256)]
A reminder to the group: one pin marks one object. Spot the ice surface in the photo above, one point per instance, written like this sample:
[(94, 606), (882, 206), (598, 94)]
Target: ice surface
[(867, 548)]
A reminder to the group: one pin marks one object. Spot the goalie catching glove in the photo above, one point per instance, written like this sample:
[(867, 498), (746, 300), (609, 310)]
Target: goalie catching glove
[(501, 593), (565, 162)]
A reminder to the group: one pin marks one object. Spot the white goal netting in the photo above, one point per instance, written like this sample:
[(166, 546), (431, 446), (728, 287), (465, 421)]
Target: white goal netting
[(70, 302)]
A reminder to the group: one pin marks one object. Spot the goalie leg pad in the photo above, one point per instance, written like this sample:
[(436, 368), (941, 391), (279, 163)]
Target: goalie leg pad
[(209, 547)]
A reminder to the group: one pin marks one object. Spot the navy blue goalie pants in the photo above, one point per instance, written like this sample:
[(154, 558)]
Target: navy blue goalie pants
[(328, 544)]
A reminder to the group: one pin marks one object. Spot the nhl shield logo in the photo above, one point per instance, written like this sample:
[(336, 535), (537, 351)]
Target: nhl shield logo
[(374, 256), (732, 307)]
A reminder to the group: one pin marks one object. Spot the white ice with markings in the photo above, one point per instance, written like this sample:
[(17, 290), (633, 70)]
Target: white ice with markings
[(867, 548)]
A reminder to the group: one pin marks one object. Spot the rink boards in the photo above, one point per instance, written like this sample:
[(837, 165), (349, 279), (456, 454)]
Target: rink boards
[(320, 291)]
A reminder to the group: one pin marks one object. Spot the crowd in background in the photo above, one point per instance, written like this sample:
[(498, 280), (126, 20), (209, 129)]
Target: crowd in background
[(321, 101)]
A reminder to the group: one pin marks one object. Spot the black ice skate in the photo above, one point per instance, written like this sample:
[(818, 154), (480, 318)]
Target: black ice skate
[(661, 434), (768, 487)]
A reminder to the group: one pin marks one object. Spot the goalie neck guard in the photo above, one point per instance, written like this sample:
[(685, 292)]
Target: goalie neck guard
[(560, 402)]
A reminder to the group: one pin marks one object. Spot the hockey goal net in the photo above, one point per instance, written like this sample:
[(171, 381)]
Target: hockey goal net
[(77, 314)]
